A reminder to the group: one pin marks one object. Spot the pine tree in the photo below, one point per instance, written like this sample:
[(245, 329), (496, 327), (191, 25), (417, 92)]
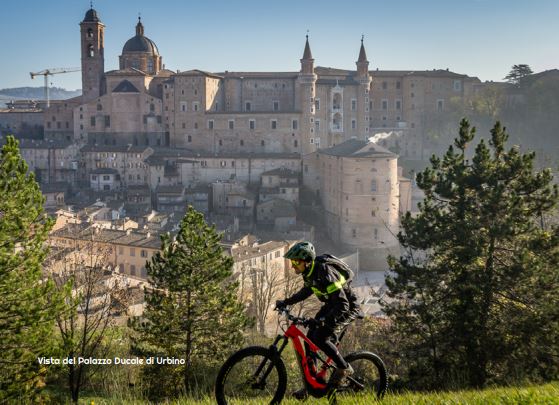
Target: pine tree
[(517, 73), (28, 303), (475, 293), (192, 311)]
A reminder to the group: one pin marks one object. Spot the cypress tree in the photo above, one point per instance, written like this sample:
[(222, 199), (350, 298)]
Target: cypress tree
[(28, 302), (192, 311), (475, 291)]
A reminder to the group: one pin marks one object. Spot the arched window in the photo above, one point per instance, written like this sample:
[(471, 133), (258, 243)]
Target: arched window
[(373, 185), (90, 33), (91, 51)]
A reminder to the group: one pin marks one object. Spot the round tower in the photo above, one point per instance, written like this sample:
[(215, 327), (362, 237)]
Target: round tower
[(93, 55)]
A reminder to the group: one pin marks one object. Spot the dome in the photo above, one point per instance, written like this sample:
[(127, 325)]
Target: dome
[(140, 43), (91, 16)]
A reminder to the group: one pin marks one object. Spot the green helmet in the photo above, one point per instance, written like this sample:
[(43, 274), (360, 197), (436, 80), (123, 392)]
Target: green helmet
[(302, 251)]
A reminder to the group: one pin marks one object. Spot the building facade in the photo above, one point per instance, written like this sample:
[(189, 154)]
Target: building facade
[(142, 103)]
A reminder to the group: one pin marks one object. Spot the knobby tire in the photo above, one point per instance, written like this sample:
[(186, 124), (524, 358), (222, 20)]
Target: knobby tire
[(369, 371), (235, 382)]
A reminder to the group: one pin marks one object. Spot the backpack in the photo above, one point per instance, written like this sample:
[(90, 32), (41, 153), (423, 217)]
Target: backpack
[(338, 264)]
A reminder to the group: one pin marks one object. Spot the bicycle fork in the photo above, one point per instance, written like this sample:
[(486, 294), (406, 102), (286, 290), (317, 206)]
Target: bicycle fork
[(260, 383)]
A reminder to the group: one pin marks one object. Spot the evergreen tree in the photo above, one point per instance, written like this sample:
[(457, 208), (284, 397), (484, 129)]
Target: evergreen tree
[(192, 311), (28, 302), (517, 73), (475, 294)]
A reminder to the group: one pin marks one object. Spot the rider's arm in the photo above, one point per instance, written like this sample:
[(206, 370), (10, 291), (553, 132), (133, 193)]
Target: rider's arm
[(299, 296)]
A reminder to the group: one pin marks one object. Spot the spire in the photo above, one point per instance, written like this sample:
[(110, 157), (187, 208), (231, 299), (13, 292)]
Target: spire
[(362, 54), (140, 27), (307, 53)]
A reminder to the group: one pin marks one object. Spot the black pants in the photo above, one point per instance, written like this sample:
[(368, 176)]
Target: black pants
[(326, 337)]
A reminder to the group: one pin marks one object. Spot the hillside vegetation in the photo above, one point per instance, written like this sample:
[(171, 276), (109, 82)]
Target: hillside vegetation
[(539, 394)]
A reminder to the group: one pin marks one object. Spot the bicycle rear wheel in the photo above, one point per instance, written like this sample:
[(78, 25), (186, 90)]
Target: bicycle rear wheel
[(252, 373), (370, 376)]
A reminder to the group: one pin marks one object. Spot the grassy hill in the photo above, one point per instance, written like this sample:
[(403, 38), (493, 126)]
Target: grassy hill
[(538, 394)]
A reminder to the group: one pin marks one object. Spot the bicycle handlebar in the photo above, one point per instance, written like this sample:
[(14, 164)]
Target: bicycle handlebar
[(295, 319)]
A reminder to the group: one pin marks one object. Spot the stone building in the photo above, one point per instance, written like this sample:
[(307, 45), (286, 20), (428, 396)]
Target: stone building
[(142, 103), (126, 250), (51, 161), (23, 121), (188, 129), (129, 162), (359, 188)]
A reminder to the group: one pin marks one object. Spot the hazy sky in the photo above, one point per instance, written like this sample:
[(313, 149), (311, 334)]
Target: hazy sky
[(482, 38)]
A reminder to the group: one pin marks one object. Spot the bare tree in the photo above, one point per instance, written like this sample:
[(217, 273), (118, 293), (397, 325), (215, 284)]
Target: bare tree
[(266, 286), (98, 295)]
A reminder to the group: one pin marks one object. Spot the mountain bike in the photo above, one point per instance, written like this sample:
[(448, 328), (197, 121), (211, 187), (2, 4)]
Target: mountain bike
[(259, 372)]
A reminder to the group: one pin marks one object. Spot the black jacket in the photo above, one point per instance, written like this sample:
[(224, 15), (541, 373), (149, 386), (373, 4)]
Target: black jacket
[(330, 287)]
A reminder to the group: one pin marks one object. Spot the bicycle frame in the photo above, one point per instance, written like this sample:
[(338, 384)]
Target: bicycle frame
[(298, 338)]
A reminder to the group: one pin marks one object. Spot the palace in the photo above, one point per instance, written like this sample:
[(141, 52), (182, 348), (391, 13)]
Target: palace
[(142, 103), (175, 132)]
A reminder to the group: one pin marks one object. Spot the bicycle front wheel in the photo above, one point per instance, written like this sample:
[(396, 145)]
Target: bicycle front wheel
[(370, 376), (252, 373)]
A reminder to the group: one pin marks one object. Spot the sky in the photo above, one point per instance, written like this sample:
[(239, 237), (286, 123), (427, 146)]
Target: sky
[(481, 38)]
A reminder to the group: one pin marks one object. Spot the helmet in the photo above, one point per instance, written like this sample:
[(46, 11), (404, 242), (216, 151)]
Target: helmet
[(302, 251)]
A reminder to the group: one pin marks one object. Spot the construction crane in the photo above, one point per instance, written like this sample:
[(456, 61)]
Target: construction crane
[(49, 72)]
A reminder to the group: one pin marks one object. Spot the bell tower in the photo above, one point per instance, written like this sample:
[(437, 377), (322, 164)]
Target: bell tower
[(93, 56)]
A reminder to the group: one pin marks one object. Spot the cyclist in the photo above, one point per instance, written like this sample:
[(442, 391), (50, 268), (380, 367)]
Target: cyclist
[(329, 279)]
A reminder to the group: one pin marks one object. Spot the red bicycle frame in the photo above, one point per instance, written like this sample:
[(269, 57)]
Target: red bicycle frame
[(297, 337)]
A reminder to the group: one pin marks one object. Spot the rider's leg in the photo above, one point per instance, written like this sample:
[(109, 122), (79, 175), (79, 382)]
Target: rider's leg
[(325, 338)]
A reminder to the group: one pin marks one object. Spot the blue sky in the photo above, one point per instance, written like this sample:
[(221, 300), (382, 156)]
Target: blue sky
[(482, 38)]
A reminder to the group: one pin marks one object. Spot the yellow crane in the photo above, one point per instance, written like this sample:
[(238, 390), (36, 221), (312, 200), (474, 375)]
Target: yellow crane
[(49, 72)]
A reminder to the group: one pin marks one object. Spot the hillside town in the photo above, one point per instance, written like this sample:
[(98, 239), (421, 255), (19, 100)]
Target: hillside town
[(270, 158)]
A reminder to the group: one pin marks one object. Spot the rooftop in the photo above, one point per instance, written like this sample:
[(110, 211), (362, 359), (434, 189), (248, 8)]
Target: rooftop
[(113, 236), (358, 148)]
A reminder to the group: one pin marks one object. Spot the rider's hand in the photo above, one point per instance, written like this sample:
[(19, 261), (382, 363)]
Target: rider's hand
[(315, 323), (280, 304)]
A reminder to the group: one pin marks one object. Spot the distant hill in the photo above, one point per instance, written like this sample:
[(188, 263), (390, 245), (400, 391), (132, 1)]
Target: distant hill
[(37, 93)]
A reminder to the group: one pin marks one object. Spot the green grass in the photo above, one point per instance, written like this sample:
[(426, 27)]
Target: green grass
[(541, 394)]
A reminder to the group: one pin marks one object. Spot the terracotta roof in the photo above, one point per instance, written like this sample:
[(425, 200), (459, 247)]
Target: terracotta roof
[(358, 148), (242, 253), (118, 237)]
